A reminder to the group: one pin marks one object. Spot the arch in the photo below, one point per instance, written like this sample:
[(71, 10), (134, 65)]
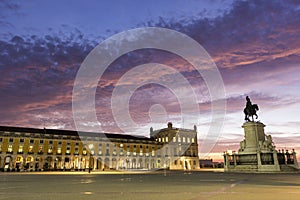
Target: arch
[(38, 163), (57, 163), (114, 163), (29, 163), (18, 165), (140, 163), (106, 163), (134, 163), (7, 163), (99, 164), (147, 164)]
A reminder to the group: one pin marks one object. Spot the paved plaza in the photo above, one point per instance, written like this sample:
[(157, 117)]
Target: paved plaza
[(163, 185)]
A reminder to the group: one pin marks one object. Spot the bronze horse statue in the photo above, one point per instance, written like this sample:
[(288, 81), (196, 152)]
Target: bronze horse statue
[(250, 112)]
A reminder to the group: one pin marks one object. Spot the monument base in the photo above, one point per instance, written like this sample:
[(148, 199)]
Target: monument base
[(257, 153)]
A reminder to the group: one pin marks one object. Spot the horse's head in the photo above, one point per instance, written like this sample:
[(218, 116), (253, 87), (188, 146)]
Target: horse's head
[(255, 106)]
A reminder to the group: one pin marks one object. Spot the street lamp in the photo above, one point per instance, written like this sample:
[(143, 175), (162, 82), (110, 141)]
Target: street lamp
[(91, 146)]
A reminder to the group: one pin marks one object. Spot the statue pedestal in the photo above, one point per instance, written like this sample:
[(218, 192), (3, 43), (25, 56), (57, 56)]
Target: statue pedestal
[(257, 153), (254, 136)]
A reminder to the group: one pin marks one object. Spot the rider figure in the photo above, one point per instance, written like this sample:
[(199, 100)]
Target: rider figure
[(248, 104)]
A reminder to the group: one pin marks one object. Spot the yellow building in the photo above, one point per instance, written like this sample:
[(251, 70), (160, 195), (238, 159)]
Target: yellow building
[(30, 149)]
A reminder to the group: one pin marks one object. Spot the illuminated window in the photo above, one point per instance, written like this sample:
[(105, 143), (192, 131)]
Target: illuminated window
[(128, 153), (141, 153), (159, 139), (84, 152), (121, 145), (40, 149), (121, 152), (30, 150), (58, 150), (179, 139), (167, 139), (134, 153), (10, 148), (153, 153), (68, 150), (100, 152), (193, 140), (147, 154), (188, 140), (0, 148), (174, 139), (50, 149), (20, 150), (183, 139), (163, 139)]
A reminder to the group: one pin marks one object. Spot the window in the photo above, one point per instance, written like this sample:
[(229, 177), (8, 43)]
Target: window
[(11, 139), (84, 152), (193, 140), (128, 152), (10, 148), (50, 142), (0, 139), (183, 139), (107, 152), (76, 143), (59, 142), (68, 143), (20, 150), (40, 149), (58, 150), (30, 150), (174, 139), (50, 149), (121, 145), (167, 139), (141, 153), (0, 148), (76, 151), (175, 162), (68, 150), (22, 140), (179, 139), (107, 144), (159, 139), (163, 139), (31, 141), (41, 141), (153, 153), (121, 152), (188, 140)]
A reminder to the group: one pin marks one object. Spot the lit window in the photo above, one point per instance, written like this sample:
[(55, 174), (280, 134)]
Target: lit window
[(141, 153), (147, 154), (159, 139), (193, 140), (167, 139), (50, 149), (20, 150), (10, 148), (68, 150), (179, 139), (163, 139), (59, 150), (188, 140), (174, 139), (100, 152), (128, 153), (134, 153), (0, 148), (84, 152), (40, 149), (121, 145), (121, 152), (183, 139), (30, 150)]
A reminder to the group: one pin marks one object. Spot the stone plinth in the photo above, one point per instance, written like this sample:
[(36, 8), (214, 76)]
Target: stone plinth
[(254, 136)]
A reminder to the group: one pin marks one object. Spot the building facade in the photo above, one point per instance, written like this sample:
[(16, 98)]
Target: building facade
[(30, 149)]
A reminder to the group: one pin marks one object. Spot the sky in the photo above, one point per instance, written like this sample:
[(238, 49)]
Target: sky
[(255, 46)]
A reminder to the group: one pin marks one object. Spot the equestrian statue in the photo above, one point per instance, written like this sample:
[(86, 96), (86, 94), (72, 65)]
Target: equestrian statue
[(250, 110)]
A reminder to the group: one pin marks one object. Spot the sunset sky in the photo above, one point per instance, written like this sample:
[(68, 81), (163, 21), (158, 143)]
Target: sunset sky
[(254, 44)]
